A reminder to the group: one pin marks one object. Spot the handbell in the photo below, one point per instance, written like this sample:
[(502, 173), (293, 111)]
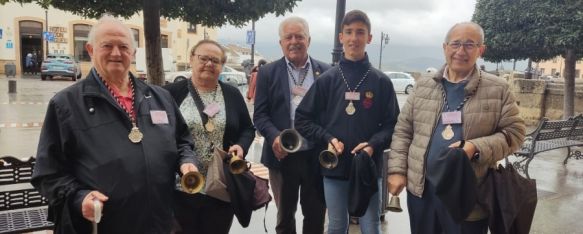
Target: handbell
[(291, 141), (328, 158), (192, 182), (238, 165), (395, 204)]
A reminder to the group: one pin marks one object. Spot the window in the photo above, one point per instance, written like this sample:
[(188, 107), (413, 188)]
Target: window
[(136, 33), (577, 72), (553, 71), (191, 28), (80, 34), (164, 41), (555, 60), (542, 71)]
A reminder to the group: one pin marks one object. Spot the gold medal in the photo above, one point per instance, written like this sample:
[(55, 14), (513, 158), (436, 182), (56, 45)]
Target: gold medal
[(447, 133), (209, 126), (135, 135), (350, 110)]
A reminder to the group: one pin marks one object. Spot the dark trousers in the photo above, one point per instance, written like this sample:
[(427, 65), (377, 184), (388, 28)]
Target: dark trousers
[(299, 172), (201, 214), (427, 215)]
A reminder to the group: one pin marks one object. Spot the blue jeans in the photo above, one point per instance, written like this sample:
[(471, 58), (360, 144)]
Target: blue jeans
[(336, 194)]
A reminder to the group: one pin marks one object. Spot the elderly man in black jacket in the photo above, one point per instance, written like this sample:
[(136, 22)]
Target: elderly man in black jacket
[(114, 140), (281, 85)]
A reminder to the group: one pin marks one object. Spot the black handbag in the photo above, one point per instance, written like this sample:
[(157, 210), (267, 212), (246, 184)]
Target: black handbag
[(362, 184), (509, 198)]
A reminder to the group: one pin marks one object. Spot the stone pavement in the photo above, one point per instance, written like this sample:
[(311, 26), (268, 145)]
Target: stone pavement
[(560, 187)]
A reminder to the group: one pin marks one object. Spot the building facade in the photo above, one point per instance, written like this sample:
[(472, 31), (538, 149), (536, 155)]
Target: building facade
[(555, 67), (22, 30)]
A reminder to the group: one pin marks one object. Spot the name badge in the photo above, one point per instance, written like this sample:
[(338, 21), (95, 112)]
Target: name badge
[(159, 117), (452, 117), (352, 96), (299, 91), (212, 109)]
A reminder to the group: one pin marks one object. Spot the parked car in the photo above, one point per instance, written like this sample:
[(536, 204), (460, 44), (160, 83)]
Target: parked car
[(63, 65), (232, 76), (402, 82), (228, 75)]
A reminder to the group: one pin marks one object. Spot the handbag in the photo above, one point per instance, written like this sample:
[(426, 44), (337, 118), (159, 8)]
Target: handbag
[(509, 198), (216, 181)]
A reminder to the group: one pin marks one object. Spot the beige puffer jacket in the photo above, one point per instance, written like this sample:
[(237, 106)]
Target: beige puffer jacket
[(491, 122)]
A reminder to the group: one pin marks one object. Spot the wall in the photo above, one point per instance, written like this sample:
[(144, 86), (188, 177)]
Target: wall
[(180, 40), (539, 98)]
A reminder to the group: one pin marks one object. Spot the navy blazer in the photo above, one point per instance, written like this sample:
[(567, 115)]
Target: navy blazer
[(272, 103)]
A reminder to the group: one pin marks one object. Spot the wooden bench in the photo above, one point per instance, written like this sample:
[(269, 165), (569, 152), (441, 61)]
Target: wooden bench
[(550, 135), (22, 208)]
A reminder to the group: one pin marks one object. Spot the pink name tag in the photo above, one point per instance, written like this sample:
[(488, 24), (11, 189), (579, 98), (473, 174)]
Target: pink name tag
[(159, 117), (452, 117), (212, 109), (299, 91), (352, 96)]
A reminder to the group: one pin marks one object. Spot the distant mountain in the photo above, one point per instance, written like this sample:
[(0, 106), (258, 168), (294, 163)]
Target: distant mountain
[(413, 64), (395, 57)]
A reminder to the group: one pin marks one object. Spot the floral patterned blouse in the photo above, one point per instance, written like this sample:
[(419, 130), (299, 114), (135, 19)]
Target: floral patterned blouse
[(205, 141)]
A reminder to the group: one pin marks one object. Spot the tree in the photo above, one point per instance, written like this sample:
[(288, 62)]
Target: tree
[(535, 30), (212, 13)]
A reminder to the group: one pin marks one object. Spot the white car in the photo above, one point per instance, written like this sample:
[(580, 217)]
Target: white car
[(402, 82), (229, 75), (232, 76)]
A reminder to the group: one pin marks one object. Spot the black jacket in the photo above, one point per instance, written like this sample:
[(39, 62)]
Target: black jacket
[(84, 146), (239, 129), (272, 103), (321, 115)]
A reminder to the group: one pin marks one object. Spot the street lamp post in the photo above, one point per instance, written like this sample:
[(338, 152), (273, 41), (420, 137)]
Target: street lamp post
[(337, 51), (384, 38)]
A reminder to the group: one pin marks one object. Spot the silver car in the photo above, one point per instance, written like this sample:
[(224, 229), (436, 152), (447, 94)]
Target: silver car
[(402, 82), (63, 65)]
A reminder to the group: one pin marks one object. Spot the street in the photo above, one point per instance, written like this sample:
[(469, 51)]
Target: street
[(560, 187)]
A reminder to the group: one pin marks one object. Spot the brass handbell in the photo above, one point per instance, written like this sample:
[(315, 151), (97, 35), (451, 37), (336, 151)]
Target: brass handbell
[(238, 165), (328, 158), (192, 182), (395, 204)]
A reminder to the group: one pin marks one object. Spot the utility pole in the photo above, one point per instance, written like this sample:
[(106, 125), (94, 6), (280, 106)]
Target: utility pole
[(253, 44), (337, 51), (384, 38)]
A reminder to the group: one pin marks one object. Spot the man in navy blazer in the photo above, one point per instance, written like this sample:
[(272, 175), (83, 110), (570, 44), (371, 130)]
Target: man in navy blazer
[(281, 86)]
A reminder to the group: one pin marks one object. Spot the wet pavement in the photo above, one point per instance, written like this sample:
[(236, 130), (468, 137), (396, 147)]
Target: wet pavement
[(560, 187)]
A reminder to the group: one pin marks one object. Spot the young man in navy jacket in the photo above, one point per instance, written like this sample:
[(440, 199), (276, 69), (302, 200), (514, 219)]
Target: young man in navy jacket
[(352, 106)]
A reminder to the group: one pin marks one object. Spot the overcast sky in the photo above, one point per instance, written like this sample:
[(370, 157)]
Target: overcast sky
[(408, 22), (416, 28)]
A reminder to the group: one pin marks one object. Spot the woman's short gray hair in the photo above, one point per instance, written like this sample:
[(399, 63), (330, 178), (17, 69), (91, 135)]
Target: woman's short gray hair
[(107, 18), (292, 20)]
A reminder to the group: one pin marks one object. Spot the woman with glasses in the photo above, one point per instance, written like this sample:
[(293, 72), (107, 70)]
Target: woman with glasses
[(217, 116)]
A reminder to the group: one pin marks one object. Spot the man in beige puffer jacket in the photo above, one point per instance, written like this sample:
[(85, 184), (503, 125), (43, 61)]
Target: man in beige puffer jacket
[(459, 103)]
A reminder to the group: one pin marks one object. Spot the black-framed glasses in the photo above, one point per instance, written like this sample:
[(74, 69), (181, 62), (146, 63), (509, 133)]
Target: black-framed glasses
[(206, 58), (467, 45)]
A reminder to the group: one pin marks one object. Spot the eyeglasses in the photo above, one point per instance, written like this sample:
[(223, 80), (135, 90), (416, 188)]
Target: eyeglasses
[(205, 59), (467, 45)]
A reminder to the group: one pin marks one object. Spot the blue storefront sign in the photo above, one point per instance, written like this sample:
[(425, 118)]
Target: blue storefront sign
[(9, 44)]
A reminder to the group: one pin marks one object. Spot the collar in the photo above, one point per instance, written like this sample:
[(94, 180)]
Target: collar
[(291, 65), (363, 61), (473, 79), (446, 72)]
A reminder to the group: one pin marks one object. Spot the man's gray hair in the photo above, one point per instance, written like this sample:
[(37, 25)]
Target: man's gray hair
[(107, 18), (292, 20), (472, 24)]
